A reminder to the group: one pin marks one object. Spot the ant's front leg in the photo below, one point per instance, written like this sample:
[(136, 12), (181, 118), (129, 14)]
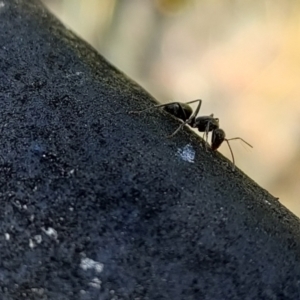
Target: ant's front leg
[(207, 130), (206, 133)]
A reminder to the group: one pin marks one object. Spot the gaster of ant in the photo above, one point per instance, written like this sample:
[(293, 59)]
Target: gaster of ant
[(184, 113)]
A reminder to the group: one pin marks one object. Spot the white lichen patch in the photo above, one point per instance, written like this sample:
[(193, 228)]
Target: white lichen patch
[(87, 264), (38, 238), (266, 201), (95, 283), (51, 232), (31, 244), (38, 291), (187, 153)]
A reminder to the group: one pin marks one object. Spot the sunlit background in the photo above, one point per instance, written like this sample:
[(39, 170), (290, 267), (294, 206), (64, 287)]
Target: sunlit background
[(241, 57)]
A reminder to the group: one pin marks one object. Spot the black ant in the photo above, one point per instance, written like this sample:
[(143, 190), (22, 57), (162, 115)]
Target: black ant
[(206, 124)]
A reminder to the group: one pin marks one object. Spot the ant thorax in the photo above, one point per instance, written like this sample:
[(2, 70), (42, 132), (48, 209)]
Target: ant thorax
[(206, 123)]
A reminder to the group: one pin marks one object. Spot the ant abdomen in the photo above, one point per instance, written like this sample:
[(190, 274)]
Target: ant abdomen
[(181, 111)]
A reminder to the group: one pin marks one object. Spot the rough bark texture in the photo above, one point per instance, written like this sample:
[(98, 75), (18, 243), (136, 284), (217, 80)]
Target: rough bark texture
[(98, 204)]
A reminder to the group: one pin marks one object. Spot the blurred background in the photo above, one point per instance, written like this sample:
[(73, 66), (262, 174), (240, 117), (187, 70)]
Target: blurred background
[(242, 57)]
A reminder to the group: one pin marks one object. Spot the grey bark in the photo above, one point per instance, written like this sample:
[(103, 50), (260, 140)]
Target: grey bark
[(98, 204)]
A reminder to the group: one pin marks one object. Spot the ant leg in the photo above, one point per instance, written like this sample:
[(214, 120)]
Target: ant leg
[(155, 106), (193, 101), (194, 115), (205, 137), (190, 121), (179, 128), (233, 162), (238, 138), (169, 103), (149, 108), (206, 132)]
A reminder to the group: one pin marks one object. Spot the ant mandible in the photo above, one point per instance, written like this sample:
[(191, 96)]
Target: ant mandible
[(206, 124)]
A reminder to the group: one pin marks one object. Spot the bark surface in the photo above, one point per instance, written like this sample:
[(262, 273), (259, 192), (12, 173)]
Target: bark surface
[(98, 204)]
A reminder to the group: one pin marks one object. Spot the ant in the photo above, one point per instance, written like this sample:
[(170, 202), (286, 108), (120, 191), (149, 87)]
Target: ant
[(206, 124)]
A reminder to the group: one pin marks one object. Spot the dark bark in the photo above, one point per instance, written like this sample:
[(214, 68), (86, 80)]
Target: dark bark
[(113, 189)]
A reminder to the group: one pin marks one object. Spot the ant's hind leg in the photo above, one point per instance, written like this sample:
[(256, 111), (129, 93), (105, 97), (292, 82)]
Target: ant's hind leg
[(149, 108), (194, 115), (153, 107)]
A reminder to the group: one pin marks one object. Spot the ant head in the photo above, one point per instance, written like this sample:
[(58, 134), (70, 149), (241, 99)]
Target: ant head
[(218, 137)]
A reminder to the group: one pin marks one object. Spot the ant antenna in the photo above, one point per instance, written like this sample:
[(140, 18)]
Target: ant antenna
[(236, 138)]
